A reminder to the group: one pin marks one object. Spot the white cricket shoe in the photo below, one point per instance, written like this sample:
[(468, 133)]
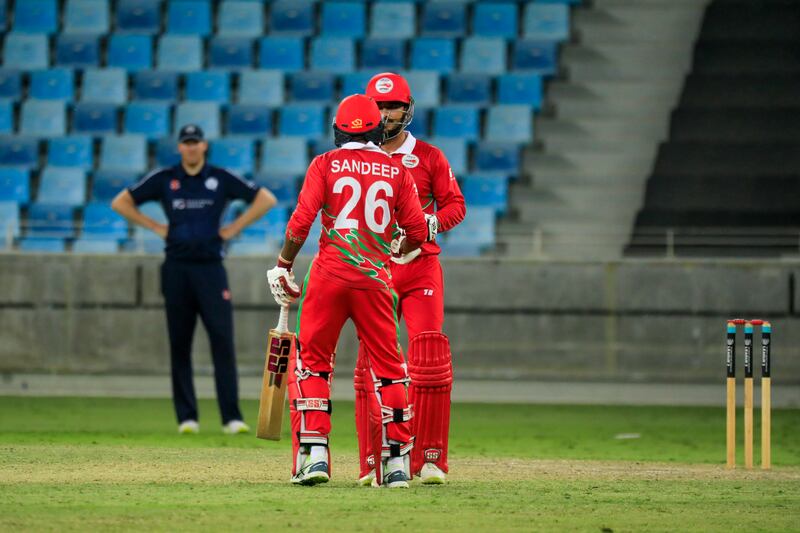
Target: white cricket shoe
[(312, 473), (189, 427), (431, 475), (235, 427), (366, 480)]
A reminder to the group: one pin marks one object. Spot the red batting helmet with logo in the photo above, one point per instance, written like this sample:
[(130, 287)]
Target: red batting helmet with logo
[(391, 87), (358, 116)]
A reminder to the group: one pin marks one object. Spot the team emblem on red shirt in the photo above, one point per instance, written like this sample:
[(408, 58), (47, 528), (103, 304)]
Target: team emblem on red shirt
[(410, 161), (174, 185)]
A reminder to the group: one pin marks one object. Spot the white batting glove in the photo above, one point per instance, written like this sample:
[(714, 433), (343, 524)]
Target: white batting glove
[(282, 285), (400, 258), (433, 227)]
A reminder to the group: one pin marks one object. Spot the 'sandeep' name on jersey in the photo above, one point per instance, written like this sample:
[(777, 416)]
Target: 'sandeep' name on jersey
[(365, 167)]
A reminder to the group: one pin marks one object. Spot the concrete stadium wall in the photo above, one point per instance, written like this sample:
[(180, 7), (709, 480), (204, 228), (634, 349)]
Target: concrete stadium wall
[(627, 321)]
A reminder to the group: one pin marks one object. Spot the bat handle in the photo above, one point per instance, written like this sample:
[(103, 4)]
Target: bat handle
[(283, 320)]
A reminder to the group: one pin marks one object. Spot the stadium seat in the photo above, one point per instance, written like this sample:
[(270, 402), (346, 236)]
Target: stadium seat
[(167, 154), (455, 150), (282, 53), (546, 22), (355, 83), (9, 220), (312, 86), (457, 121), (86, 17), (35, 16), (497, 157), (282, 185), (231, 52), (43, 118), (472, 89), (270, 226), (106, 184), (250, 120), (102, 222), (124, 152), (509, 123), (383, 54), (486, 192), (95, 245), (25, 51), (155, 85), (62, 186), (138, 16), (208, 86), (474, 234), (3, 14), (284, 155), (79, 51), (262, 87), (420, 125), (445, 19), (71, 151), (131, 52), (107, 86), (52, 84), (520, 88), (393, 20), (14, 185), (495, 20), (204, 114), (94, 119), (306, 120), (51, 220), (240, 19), (189, 17), (433, 54), (292, 17), (425, 87), (247, 248), (179, 53), (333, 54), (10, 84), (19, 151), (322, 145), (6, 117), (236, 155), (42, 245), (483, 55), (536, 56), (151, 119), (343, 19)]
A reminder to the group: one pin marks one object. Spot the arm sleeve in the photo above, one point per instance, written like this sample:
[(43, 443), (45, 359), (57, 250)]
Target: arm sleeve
[(238, 188), (450, 206), (148, 188), (408, 210), (309, 202)]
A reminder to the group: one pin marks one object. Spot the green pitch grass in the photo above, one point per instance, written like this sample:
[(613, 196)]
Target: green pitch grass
[(110, 464)]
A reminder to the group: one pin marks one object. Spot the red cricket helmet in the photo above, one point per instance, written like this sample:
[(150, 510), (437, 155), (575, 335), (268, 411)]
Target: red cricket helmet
[(391, 87), (358, 116)]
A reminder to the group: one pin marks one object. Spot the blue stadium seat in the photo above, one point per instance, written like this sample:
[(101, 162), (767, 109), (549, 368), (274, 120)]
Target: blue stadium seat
[(236, 155), (546, 22), (355, 82), (509, 123), (333, 54), (95, 245), (304, 120), (151, 119), (100, 221), (42, 245), (536, 56), (51, 220), (9, 218), (240, 19), (10, 84), (52, 84), (106, 184), (94, 119), (433, 54), (425, 87), (457, 121), (484, 55), (86, 17), (495, 20), (262, 87), (78, 51), (455, 150), (420, 126), (270, 226), (446, 19), (139, 16), (62, 186), (383, 54), (107, 86), (131, 52), (3, 14), (322, 145), (19, 151), (284, 155), (167, 154), (208, 86), (473, 89), (249, 120), (486, 191), (246, 248), (393, 20), (343, 19), (292, 17), (25, 51), (124, 152), (497, 157), (204, 114), (14, 185), (6, 117), (189, 17), (312, 86), (520, 88), (282, 53), (155, 85), (35, 16), (474, 234), (179, 53), (231, 52), (43, 118), (282, 185), (71, 151)]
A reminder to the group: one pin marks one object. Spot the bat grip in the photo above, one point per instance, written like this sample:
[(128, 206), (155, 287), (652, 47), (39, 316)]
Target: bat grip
[(283, 320)]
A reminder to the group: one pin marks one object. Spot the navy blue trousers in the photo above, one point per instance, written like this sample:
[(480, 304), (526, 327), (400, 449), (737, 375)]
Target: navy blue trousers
[(193, 289)]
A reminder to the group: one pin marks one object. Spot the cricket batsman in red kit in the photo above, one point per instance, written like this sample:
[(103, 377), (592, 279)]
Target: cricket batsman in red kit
[(417, 278), (362, 193)]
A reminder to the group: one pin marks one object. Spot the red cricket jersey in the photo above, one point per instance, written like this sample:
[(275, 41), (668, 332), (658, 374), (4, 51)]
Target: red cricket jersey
[(362, 193)]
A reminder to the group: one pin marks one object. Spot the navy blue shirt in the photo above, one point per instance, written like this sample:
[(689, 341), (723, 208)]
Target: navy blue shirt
[(194, 206)]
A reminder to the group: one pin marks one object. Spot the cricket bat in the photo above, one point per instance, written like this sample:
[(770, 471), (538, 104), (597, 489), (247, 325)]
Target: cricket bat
[(280, 346)]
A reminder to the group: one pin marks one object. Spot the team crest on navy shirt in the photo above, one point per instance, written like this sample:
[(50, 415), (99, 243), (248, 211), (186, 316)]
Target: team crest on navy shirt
[(174, 185), (212, 184)]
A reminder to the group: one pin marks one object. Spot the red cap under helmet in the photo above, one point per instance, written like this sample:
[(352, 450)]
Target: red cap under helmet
[(389, 87), (358, 115)]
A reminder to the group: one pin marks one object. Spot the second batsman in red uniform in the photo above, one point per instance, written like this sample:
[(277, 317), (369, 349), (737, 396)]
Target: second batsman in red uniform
[(417, 278)]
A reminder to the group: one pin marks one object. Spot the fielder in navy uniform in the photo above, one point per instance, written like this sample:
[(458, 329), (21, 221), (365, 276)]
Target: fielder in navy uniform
[(194, 196)]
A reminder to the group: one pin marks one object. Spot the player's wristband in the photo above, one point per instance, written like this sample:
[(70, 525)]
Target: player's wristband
[(283, 263)]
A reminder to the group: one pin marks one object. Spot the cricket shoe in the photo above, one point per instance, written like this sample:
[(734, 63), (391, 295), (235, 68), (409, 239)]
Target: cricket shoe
[(189, 427), (367, 479), (431, 475), (396, 479), (312, 474), (235, 427)]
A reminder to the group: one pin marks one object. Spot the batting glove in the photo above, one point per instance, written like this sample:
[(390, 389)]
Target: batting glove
[(400, 258), (281, 283), (433, 227)]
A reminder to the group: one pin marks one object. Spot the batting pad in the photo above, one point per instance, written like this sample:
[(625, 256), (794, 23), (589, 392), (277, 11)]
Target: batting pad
[(362, 382)]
